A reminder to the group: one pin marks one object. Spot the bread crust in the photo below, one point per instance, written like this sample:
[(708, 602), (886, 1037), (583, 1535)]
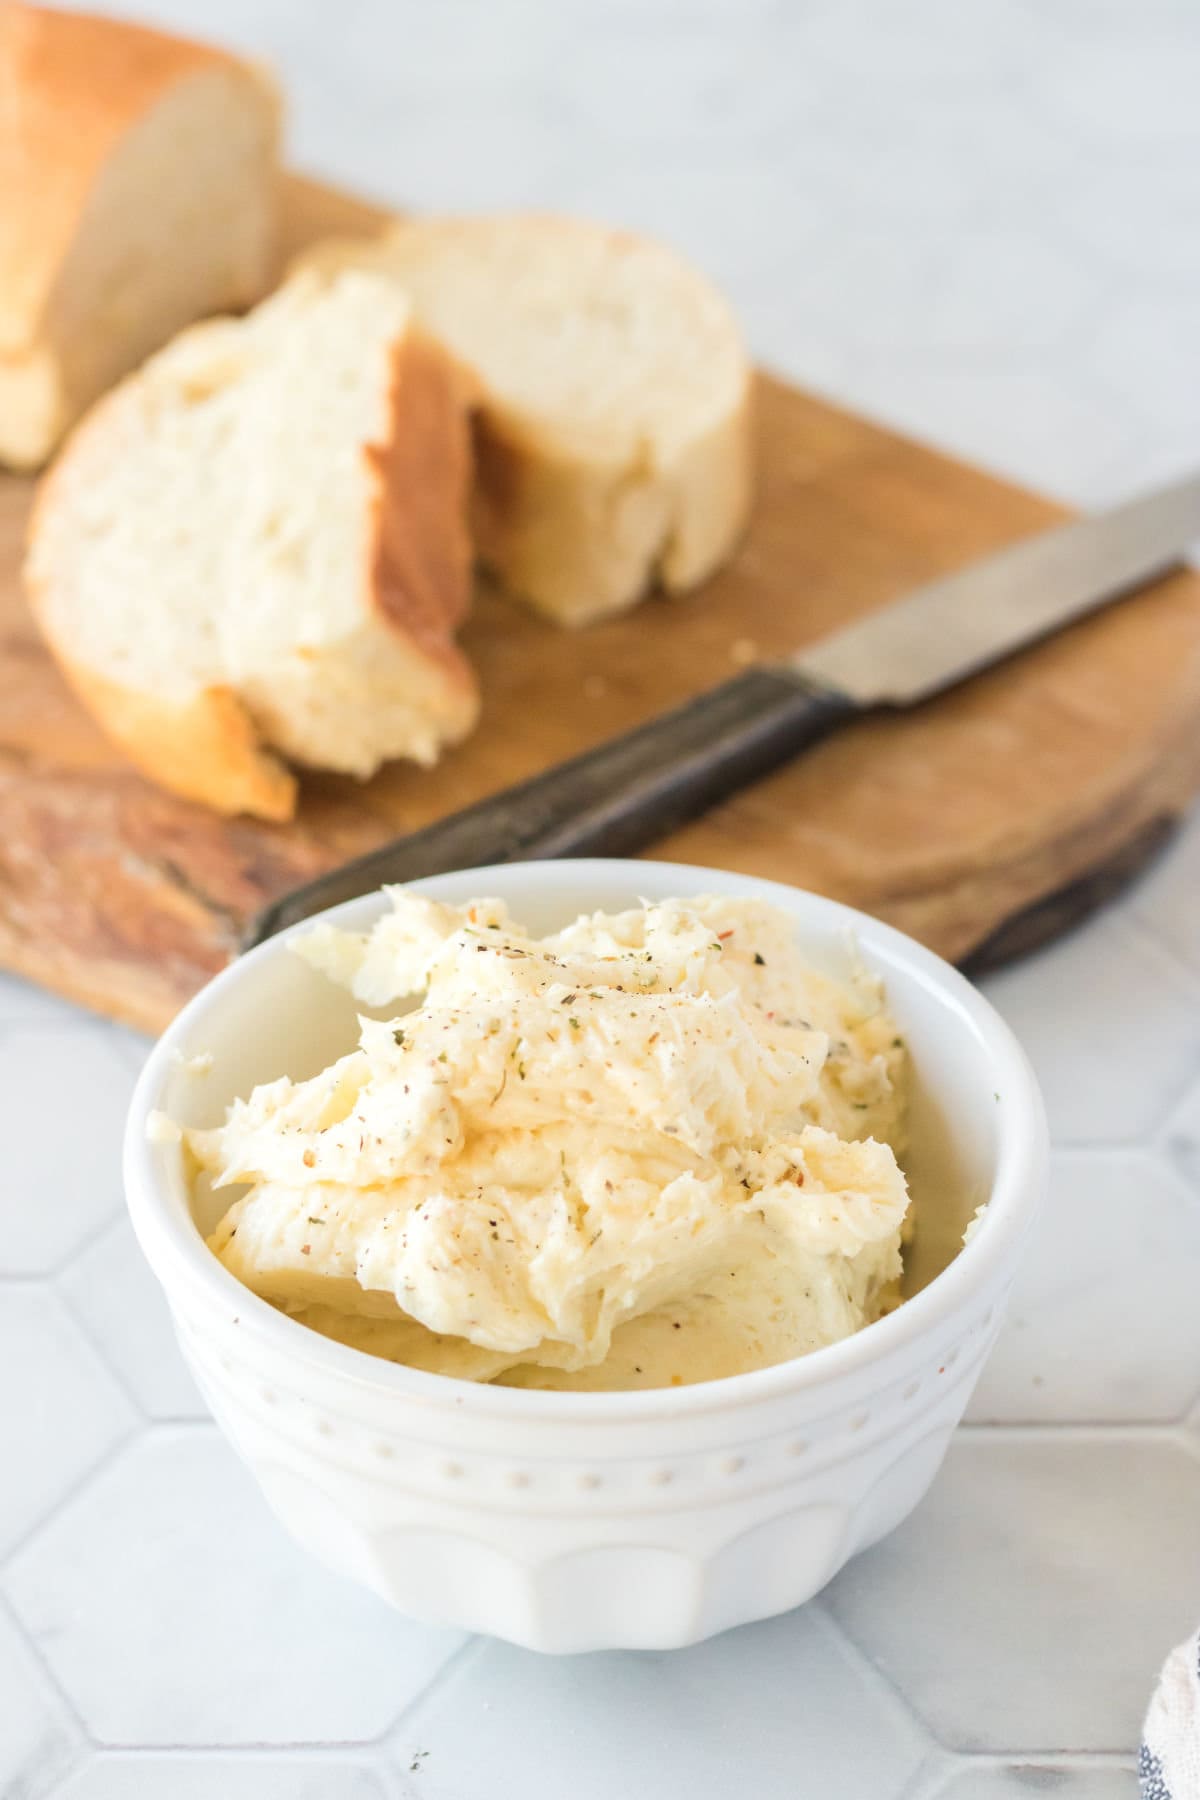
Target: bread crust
[(101, 75), (63, 338), (416, 562), (218, 744), (579, 541), (581, 529), (206, 748), (421, 579)]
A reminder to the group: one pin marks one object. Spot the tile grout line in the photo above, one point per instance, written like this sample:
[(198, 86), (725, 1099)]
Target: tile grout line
[(54, 1272), (1146, 934), (1078, 1430), (89, 1241), (362, 1750), (1165, 1164), (443, 1675), (97, 1349), (931, 1781), (1072, 1150), (107, 1228), (1135, 1429), (82, 1735), (80, 1761), (1162, 1140), (878, 1678), (14, 1551), (1068, 1759)]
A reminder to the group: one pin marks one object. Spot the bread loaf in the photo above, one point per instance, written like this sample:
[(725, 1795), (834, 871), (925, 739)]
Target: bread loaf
[(612, 397), (138, 192), (254, 551)]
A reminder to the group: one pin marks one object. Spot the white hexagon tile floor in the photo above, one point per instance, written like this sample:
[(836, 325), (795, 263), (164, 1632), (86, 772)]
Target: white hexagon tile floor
[(972, 222)]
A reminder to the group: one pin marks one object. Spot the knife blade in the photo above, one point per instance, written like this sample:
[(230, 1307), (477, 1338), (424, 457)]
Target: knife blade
[(950, 629), (621, 795)]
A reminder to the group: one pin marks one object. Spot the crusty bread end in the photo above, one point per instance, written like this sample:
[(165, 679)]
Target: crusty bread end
[(139, 190)]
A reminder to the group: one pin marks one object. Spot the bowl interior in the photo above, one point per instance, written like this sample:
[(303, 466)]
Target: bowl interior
[(273, 1015)]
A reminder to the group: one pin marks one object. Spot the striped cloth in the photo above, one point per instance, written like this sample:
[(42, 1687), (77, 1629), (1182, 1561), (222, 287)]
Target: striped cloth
[(1169, 1763)]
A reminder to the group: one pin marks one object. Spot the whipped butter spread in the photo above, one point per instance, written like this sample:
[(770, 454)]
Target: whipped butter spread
[(651, 1149)]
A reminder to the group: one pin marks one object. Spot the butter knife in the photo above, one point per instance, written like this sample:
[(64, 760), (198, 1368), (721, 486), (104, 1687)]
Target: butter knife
[(620, 796)]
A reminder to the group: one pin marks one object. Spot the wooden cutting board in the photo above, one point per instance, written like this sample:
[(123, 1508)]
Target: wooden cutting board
[(982, 824)]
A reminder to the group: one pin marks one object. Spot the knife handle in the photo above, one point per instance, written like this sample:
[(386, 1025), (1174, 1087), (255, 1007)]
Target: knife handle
[(608, 801)]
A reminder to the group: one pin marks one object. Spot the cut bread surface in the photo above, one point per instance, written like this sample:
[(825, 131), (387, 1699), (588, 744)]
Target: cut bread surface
[(613, 400), (156, 207), (257, 545)]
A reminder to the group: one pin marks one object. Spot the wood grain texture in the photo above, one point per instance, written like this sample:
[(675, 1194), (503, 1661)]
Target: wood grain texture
[(1015, 797)]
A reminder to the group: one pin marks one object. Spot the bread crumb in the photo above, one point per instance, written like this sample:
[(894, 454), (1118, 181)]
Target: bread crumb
[(743, 651)]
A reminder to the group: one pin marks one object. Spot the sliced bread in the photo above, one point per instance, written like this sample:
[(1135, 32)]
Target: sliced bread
[(256, 549), (612, 397), (138, 192)]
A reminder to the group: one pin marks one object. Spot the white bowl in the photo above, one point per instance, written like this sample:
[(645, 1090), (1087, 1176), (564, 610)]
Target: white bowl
[(588, 1521)]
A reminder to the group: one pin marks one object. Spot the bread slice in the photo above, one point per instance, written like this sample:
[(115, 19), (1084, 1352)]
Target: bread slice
[(613, 401), (138, 192), (256, 549)]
